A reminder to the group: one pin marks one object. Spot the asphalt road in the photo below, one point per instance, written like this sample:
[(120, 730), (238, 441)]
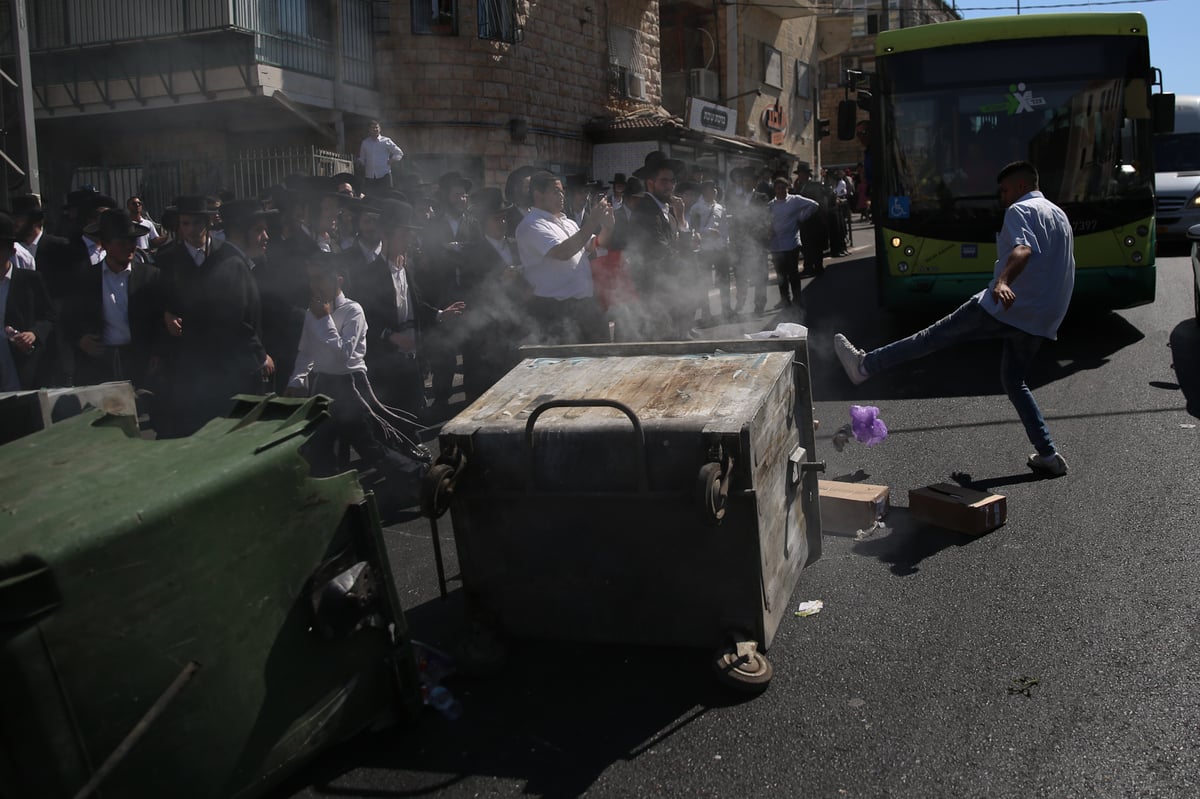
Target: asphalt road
[(1053, 657)]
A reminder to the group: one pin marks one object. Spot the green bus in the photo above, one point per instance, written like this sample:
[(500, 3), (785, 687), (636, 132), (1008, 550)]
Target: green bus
[(954, 102)]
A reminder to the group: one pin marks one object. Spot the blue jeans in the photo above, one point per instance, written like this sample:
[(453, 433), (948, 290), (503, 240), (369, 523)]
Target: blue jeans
[(970, 322)]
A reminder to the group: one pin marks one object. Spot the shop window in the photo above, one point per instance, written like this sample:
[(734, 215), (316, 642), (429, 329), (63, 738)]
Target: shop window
[(438, 17)]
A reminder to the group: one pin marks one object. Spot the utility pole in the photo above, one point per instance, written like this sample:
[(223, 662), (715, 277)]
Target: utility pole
[(24, 85)]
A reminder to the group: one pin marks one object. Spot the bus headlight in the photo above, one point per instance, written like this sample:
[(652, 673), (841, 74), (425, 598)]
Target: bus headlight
[(910, 251), (1130, 241), (1137, 257), (895, 241), (902, 266), (1194, 202), (1143, 231)]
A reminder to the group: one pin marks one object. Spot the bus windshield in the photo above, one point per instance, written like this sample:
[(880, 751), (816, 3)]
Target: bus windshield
[(1177, 152), (1076, 108)]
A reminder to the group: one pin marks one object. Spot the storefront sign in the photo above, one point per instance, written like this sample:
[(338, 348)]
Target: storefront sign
[(775, 122), (711, 118)]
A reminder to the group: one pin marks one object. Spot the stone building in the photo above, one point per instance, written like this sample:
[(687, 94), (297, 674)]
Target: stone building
[(854, 25)]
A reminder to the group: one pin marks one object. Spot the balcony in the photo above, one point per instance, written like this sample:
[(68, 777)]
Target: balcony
[(105, 55)]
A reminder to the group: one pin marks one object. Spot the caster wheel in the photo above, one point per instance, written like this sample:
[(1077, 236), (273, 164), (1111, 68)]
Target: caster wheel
[(743, 668), (437, 489), (708, 493)]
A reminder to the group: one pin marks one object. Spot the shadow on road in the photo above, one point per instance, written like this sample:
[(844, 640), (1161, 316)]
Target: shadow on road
[(909, 542), (1185, 353), (556, 718), (843, 300)]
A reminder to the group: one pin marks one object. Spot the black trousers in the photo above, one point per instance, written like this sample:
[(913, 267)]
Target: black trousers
[(357, 418), (787, 268), (573, 321)]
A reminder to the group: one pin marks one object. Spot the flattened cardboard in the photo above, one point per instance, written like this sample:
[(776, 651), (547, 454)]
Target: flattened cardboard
[(957, 508), (850, 507)]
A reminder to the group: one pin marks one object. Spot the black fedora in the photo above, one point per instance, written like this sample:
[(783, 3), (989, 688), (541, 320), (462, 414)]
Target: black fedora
[(89, 197), (397, 214), (347, 177), (489, 201), (28, 205), (190, 204), (8, 229), (242, 213), (115, 224), (453, 179)]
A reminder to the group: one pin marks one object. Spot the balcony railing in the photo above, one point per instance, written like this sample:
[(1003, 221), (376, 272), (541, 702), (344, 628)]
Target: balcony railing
[(292, 34)]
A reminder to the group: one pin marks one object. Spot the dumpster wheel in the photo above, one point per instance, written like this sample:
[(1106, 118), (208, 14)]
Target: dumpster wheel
[(742, 667), (711, 491), (437, 489)]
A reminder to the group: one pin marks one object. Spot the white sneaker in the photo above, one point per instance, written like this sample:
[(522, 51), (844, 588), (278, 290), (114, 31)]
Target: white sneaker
[(851, 358), (1048, 464)]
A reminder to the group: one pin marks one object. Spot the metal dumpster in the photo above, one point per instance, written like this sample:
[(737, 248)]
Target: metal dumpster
[(659, 493), (191, 617)]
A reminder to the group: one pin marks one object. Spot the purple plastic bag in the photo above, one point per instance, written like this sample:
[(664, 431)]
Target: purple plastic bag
[(868, 428)]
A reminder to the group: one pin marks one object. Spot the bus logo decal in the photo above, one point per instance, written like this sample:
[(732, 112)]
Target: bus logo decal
[(1021, 100)]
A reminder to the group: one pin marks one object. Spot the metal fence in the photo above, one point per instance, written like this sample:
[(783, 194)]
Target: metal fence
[(255, 170), (158, 183)]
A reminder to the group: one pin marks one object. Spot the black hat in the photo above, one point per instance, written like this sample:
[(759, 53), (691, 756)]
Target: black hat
[(803, 168), (27, 205), (597, 185), (89, 197), (380, 196), (453, 179), (240, 213), (115, 224), (707, 184), (188, 204), (8, 229), (576, 181), (346, 177), (489, 201), (634, 187), (653, 165), (686, 185), (619, 179), (397, 214)]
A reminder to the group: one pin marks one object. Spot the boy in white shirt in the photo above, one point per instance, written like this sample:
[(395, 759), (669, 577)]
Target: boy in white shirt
[(331, 361)]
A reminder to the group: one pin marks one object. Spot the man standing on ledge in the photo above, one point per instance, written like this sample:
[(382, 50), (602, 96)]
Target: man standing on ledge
[(554, 254), (376, 154), (1023, 306)]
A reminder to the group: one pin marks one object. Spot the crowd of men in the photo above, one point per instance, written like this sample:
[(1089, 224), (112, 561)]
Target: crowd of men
[(219, 296)]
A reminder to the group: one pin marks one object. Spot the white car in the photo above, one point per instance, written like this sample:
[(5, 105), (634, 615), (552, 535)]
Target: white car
[(1194, 234)]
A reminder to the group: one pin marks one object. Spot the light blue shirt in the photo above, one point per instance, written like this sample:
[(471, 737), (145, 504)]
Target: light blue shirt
[(115, 296), (1044, 288), (786, 216)]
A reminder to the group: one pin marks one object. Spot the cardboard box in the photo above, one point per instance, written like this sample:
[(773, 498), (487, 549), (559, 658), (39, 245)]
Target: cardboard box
[(957, 508), (850, 507)]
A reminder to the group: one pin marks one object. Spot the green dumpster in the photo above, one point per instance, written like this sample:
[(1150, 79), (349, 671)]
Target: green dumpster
[(192, 617)]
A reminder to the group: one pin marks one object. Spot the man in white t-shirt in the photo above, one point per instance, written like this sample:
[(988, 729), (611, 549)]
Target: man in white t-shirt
[(555, 263)]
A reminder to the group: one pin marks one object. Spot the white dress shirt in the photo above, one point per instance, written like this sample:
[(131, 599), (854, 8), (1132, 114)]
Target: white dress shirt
[(95, 251), (400, 283), (115, 294), (335, 344), (197, 256), (143, 242), (376, 154), (21, 257)]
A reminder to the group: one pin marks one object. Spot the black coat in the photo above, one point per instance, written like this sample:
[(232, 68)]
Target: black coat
[(62, 264), (220, 352), (375, 292), (29, 308), (83, 315)]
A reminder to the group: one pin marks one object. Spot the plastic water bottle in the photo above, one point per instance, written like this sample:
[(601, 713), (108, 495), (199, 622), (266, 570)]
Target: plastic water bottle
[(445, 702)]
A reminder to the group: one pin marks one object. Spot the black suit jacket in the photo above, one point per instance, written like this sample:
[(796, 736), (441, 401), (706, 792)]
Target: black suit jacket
[(376, 293), (29, 308), (84, 314)]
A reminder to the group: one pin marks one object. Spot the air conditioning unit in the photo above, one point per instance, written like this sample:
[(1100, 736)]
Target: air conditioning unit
[(704, 83), (635, 86)]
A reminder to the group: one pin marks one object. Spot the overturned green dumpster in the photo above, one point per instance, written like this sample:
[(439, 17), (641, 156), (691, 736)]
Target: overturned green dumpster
[(192, 617)]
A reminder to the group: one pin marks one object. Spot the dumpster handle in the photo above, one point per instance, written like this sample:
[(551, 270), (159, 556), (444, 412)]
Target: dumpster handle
[(638, 433)]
